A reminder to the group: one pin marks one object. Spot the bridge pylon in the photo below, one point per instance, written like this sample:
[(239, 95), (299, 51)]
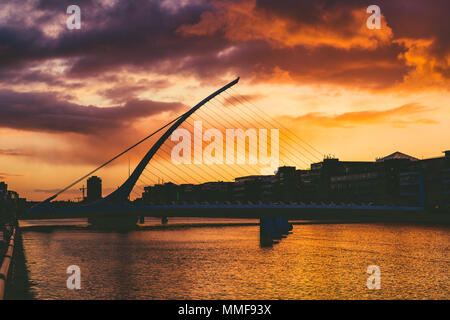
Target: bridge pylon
[(121, 195)]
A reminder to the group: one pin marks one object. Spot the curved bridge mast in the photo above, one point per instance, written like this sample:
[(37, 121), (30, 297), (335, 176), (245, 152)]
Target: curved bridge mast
[(122, 193)]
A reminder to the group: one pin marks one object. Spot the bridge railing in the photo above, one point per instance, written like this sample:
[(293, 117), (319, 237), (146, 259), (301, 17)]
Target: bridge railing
[(6, 262)]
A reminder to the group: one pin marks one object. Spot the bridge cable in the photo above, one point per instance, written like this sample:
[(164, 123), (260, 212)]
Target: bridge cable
[(193, 171), (236, 172), (225, 120), (259, 117), (303, 155), (190, 176), (211, 167), (181, 179), (293, 132), (287, 155), (259, 109), (111, 160)]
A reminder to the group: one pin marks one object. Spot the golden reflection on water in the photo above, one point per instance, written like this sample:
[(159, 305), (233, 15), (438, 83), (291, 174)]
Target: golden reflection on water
[(316, 261)]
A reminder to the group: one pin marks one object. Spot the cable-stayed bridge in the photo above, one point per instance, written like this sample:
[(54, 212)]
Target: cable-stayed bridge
[(227, 109)]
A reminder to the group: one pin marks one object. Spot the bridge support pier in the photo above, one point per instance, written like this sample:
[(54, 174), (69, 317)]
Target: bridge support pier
[(285, 226), (277, 228), (271, 229), (265, 232)]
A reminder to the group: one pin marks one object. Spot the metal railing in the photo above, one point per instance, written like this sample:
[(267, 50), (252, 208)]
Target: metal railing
[(6, 263)]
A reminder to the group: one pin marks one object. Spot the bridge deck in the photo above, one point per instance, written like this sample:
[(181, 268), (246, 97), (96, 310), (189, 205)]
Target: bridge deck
[(300, 211)]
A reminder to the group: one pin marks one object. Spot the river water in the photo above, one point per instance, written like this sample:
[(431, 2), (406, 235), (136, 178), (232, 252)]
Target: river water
[(316, 261)]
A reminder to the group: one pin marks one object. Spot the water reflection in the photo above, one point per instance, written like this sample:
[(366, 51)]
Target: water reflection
[(316, 261)]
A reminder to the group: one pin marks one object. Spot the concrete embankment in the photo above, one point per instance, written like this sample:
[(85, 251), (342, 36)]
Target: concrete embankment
[(6, 261), (14, 283)]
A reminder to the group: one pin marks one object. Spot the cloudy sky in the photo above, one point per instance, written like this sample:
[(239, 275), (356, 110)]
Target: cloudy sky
[(70, 99)]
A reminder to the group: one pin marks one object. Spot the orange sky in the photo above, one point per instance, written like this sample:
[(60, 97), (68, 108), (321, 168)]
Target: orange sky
[(71, 99)]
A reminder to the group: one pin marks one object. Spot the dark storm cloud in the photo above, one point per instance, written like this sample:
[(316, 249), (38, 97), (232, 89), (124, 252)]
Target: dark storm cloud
[(421, 19), (122, 93), (312, 12), (358, 67), (414, 19), (46, 112), (19, 45), (408, 18), (13, 76), (129, 33), (145, 36), (137, 34), (57, 5)]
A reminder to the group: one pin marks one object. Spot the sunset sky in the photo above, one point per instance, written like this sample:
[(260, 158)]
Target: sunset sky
[(72, 99)]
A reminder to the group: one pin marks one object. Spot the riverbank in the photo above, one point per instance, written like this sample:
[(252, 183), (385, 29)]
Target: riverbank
[(18, 284)]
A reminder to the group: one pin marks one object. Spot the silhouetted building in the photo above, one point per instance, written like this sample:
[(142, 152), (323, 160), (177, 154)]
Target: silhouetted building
[(286, 187), (321, 182), (254, 188), (10, 204), (375, 182), (169, 192), (214, 191), (397, 179), (94, 189), (161, 193), (308, 184), (3, 188), (427, 183), (412, 188), (354, 181), (188, 193), (397, 156)]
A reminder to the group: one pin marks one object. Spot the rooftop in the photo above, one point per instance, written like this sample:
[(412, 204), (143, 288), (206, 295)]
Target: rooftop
[(397, 155)]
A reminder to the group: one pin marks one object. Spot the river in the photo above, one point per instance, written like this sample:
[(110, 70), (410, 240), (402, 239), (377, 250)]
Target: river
[(316, 261)]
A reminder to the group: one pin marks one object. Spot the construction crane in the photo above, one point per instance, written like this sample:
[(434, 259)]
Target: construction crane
[(82, 189)]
